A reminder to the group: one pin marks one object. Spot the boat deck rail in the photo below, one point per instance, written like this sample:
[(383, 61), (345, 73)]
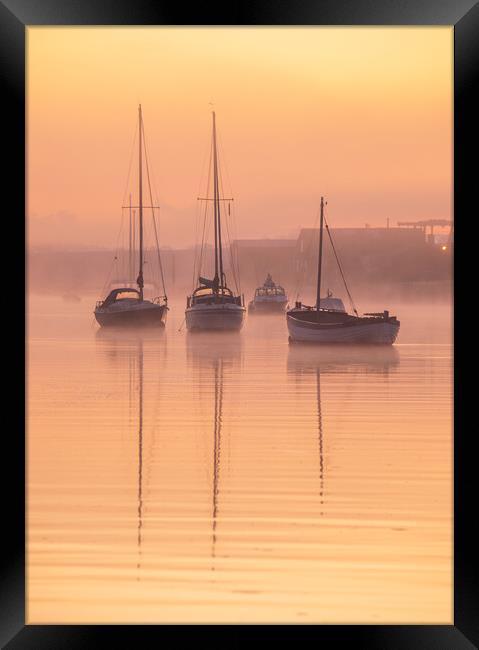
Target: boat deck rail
[(158, 300), (300, 305), (380, 314), (383, 315)]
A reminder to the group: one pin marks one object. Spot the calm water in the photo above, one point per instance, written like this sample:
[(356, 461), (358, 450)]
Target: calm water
[(183, 478)]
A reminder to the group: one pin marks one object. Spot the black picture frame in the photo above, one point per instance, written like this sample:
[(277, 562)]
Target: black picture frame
[(15, 16)]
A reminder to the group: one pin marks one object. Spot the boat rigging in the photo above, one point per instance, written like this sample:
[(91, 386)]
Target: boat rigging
[(126, 305), (213, 305), (328, 322)]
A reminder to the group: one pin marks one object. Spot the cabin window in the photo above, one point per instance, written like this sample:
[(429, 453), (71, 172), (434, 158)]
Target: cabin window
[(127, 295)]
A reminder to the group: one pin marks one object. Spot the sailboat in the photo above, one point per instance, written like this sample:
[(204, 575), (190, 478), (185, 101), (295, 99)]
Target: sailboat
[(126, 306), (213, 305), (321, 324)]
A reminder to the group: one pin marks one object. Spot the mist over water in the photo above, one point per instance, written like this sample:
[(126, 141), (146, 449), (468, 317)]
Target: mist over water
[(235, 478), (175, 477)]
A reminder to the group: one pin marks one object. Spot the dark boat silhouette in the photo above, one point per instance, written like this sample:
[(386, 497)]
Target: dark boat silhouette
[(127, 306), (318, 324)]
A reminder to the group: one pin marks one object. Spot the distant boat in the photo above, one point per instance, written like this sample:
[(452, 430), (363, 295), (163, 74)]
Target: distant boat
[(270, 298), (213, 305), (126, 306), (328, 323)]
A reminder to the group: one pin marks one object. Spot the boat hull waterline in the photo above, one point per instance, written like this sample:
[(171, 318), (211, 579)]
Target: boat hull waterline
[(215, 317), (264, 307), (373, 331), (144, 315)]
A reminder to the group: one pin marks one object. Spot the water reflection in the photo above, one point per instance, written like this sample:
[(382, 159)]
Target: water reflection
[(297, 474), (308, 364), (363, 359), (218, 415), (208, 356), (203, 349), (140, 446), (320, 439), (122, 337), (125, 349)]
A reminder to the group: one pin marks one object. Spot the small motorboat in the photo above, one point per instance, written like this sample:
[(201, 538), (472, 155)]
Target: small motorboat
[(270, 298), (328, 322)]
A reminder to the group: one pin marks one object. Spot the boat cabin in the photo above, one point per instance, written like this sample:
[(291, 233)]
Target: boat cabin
[(332, 304), (328, 304), (208, 296), (265, 291), (123, 294)]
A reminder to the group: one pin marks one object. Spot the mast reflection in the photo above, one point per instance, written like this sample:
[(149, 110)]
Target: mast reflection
[(125, 350), (218, 420), (140, 447), (208, 356), (305, 362), (320, 438), (366, 359)]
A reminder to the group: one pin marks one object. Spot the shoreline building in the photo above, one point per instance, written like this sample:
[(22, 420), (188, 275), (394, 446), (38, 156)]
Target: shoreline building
[(369, 257)]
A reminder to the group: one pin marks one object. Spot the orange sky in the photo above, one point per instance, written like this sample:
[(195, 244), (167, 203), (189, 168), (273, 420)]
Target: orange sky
[(361, 115)]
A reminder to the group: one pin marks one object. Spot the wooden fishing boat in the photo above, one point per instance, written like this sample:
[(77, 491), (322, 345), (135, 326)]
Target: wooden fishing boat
[(317, 324)]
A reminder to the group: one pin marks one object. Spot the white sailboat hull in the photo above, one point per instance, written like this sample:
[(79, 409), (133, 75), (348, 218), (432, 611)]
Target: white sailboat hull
[(215, 317), (382, 332)]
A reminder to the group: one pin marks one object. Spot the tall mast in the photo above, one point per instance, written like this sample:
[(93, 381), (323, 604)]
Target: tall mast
[(140, 197), (318, 289), (133, 243), (216, 200), (130, 265)]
